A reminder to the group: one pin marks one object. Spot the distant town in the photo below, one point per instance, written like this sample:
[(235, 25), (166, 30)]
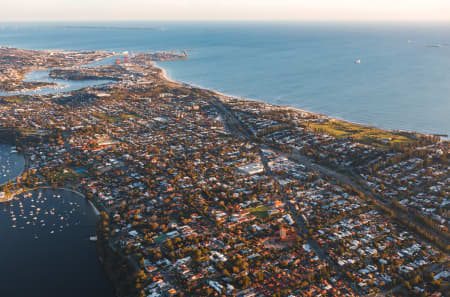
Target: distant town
[(203, 194)]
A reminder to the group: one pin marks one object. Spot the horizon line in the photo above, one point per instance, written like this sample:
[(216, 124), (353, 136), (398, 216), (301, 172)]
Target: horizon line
[(398, 21)]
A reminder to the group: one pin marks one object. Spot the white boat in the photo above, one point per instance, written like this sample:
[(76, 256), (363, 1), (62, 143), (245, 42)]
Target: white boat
[(358, 61)]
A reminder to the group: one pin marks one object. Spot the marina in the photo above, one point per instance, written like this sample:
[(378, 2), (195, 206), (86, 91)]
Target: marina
[(47, 236), (191, 179), (11, 163), (52, 222)]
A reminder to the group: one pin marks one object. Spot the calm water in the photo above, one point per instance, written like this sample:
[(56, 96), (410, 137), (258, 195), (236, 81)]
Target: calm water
[(63, 84), (11, 164), (45, 249), (398, 85)]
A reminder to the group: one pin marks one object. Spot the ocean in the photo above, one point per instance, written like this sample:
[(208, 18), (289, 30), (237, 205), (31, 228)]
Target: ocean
[(402, 82)]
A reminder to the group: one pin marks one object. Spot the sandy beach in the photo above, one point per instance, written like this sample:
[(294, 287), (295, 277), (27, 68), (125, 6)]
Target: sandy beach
[(164, 76)]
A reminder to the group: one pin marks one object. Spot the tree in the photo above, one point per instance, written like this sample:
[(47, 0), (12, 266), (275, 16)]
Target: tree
[(407, 285)]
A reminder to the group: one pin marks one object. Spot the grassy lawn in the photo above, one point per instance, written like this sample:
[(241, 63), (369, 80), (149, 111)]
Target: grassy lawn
[(105, 117), (364, 134), (126, 116), (113, 119), (260, 211), (15, 99)]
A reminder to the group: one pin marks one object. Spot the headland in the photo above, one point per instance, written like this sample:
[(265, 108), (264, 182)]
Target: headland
[(206, 194)]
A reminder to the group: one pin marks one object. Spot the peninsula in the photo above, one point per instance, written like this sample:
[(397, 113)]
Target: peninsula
[(203, 194)]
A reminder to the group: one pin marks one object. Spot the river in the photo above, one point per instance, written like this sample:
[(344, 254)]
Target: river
[(45, 248), (11, 163), (63, 85)]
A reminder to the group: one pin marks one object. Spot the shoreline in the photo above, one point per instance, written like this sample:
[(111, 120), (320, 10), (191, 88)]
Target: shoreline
[(25, 76), (165, 76), (96, 211), (82, 233), (12, 196), (24, 169), (113, 250)]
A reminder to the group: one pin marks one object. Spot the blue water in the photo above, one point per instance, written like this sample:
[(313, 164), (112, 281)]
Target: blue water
[(398, 85), (45, 248), (62, 84), (47, 256), (11, 164)]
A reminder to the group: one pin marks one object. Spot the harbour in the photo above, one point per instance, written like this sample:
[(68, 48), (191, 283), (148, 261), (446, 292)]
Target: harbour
[(47, 240), (12, 163)]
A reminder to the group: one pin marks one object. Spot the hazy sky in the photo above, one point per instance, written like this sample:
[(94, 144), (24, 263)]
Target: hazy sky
[(307, 10)]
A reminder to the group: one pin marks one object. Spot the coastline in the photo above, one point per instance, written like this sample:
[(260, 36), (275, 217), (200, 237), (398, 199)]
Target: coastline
[(97, 212), (24, 169), (117, 261), (81, 195), (36, 239), (51, 84), (164, 75)]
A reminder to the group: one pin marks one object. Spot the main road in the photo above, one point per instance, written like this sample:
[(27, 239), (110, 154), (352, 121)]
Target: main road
[(235, 126), (350, 179)]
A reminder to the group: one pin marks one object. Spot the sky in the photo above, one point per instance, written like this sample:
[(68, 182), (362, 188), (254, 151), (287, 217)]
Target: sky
[(198, 10)]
